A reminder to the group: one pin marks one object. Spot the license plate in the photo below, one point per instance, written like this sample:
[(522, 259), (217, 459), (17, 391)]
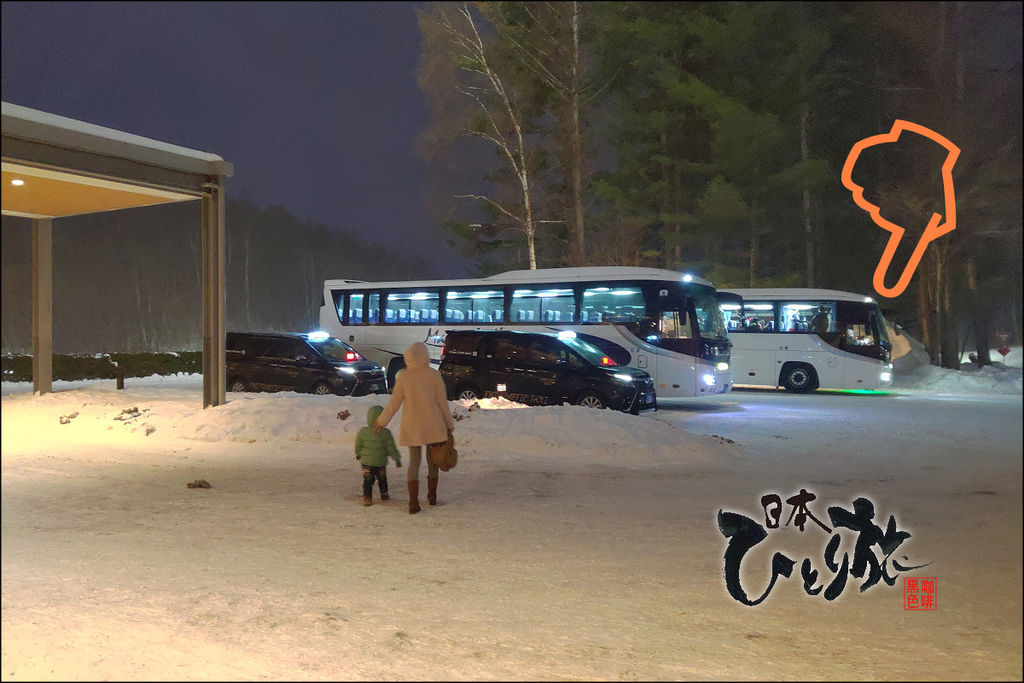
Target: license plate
[(648, 399)]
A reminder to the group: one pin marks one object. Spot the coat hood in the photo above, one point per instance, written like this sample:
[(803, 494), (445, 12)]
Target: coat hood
[(417, 356), (373, 413)]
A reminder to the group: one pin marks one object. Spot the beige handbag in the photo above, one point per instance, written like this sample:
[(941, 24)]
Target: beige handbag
[(443, 453)]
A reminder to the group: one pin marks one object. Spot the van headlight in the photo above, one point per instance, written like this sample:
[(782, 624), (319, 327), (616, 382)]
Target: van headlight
[(344, 368), (623, 377)]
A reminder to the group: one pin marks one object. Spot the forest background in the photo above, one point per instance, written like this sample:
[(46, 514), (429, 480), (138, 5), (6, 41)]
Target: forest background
[(706, 137)]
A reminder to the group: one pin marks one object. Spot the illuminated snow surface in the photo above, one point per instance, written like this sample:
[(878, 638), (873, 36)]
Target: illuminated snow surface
[(568, 543)]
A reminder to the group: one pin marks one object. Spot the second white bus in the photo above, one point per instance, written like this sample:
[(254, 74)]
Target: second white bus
[(660, 321), (806, 339)]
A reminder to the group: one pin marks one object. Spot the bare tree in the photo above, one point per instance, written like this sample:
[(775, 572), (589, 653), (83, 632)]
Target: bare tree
[(546, 39), (500, 120)]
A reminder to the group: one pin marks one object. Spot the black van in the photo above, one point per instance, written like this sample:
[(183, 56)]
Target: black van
[(308, 363), (540, 369)]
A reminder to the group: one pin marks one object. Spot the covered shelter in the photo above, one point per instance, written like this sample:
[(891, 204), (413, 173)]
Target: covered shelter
[(54, 167)]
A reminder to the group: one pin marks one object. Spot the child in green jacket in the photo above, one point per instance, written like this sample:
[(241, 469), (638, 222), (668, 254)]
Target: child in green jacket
[(372, 450)]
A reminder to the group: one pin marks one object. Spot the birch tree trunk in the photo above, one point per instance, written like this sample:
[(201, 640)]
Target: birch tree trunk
[(471, 51)]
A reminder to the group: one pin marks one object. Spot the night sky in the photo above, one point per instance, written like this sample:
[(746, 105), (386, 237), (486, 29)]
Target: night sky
[(316, 104)]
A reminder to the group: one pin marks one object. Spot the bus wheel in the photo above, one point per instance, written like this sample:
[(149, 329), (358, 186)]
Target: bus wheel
[(467, 394), (590, 400), (394, 365), (799, 378)]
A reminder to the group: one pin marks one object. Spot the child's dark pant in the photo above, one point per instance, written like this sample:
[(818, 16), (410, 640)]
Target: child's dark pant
[(371, 473)]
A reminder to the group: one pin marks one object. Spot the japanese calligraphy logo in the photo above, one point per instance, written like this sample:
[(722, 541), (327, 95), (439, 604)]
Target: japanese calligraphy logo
[(937, 227), (744, 533)]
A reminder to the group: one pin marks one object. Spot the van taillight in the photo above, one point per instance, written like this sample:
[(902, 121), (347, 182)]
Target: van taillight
[(605, 360), (352, 355)]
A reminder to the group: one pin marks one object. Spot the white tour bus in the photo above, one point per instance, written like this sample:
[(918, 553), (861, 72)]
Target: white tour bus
[(805, 339), (660, 321)]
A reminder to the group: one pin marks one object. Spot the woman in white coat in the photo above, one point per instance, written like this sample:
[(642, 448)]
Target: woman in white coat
[(426, 418)]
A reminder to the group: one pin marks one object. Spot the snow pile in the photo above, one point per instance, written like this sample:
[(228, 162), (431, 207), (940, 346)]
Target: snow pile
[(162, 411), (970, 379), (908, 354)]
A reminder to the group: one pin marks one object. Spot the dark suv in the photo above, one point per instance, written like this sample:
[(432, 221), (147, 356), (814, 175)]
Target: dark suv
[(540, 369), (308, 363)]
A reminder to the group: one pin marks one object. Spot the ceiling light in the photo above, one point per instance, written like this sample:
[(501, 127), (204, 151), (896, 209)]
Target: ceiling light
[(17, 182)]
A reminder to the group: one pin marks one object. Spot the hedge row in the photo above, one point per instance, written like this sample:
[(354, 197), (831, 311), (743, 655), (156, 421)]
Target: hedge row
[(105, 365)]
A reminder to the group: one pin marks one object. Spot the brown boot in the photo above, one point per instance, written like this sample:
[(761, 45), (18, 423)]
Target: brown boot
[(367, 500), (432, 490), (414, 497)]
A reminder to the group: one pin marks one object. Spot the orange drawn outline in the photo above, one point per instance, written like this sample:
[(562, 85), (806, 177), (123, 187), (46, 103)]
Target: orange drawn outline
[(931, 232)]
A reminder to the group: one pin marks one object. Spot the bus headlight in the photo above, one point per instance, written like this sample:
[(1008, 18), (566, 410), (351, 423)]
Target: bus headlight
[(710, 380), (885, 376), (723, 367)]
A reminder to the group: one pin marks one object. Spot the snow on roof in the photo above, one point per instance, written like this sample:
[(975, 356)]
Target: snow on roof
[(32, 124)]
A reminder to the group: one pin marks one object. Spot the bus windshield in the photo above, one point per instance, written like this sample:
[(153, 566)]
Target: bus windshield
[(859, 328), (709, 315)]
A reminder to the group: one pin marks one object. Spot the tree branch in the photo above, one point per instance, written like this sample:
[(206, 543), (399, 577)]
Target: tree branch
[(496, 205)]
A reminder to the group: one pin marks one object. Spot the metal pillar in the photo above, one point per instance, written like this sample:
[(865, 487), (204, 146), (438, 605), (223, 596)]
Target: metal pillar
[(213, 296), (42, 305)]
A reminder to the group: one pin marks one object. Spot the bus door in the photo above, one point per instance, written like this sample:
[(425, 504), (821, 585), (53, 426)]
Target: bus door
[(675, 332), (758, 352), (860, 337)]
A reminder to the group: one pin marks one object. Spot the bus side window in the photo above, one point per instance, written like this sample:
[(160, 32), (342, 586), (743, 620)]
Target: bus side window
[(758, 316), (373, 315), (355, 309)]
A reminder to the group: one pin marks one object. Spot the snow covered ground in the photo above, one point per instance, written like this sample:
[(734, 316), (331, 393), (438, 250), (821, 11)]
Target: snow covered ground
[(568, 543), (1002, 377)]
